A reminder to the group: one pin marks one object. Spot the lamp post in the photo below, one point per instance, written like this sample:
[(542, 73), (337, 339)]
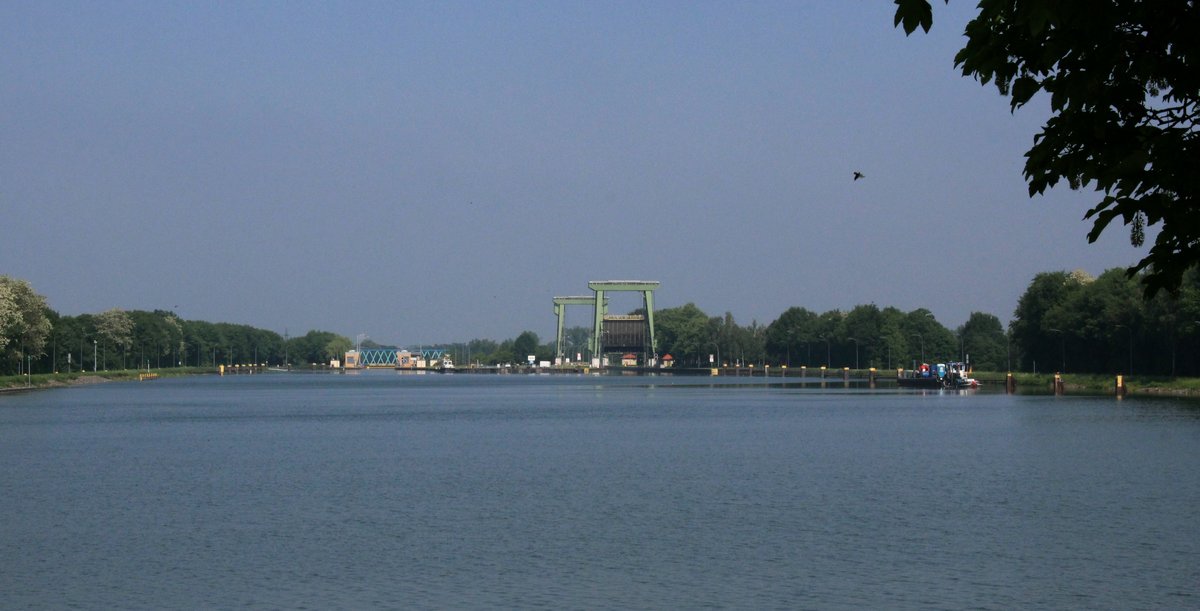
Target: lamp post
[(1062, 346), (1008, 349), (855, 351), (1130, 329), (827, 352), (922, 338), (93, 356)]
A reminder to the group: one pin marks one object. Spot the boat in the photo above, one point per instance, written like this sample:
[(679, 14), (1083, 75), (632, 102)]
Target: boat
[(953, 375)]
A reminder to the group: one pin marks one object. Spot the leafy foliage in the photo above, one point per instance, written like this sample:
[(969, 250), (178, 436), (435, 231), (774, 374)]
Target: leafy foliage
[(24, 324), (1124, 91), (1069, 321)]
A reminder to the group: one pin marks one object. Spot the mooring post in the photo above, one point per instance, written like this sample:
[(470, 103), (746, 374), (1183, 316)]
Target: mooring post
[(1010, 384), (1120, 386), (845, 374), (822, 372), (1058, 384)]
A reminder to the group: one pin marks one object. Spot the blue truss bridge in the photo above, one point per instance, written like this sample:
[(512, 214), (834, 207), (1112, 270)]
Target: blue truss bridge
[(395, 357)]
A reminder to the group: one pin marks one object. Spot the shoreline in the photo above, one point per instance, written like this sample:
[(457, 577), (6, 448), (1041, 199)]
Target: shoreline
[(54, 383), (1090, 384)]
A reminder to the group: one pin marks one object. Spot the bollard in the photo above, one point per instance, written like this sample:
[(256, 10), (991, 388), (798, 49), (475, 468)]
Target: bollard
[(822, 372), (845, 374), (1120, 386), (1058, 384), (871, 375), (1010, 384)]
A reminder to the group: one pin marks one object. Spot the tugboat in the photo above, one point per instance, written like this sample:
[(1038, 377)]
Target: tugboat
[(953, 375)]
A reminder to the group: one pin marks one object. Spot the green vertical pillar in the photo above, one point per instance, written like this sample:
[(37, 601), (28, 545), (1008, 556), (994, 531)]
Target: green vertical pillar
[(558, 312), (599, 319), (648, 301)]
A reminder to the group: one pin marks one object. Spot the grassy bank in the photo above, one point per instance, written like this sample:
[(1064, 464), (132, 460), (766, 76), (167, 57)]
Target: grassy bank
[(1099, 383), (52, 380)]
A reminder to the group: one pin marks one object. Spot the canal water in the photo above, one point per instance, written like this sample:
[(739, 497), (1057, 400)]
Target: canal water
[(382, 490)]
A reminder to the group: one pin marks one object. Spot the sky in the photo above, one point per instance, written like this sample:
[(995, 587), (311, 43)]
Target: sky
[(440, 171)]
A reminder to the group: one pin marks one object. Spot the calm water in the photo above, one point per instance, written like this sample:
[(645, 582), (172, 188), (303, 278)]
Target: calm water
[(381, 490)]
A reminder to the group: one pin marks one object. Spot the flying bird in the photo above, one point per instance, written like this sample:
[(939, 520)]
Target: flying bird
[(858, 175)]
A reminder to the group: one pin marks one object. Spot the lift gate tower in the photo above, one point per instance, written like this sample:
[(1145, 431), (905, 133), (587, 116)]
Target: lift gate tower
[(624, 333)]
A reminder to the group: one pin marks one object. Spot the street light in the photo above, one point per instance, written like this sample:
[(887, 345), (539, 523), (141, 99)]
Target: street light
[(1130, 329), (827, 358), (93, 356), (922, 338), (1063, 338), (855, 351), (1008, 349)]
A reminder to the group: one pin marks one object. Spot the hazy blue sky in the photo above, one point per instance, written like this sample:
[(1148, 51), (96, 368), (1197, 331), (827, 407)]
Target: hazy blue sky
[(440, 171)]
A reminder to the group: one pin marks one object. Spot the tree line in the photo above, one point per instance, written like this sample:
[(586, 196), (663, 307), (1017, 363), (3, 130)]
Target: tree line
[(35, 338), (1064, 321)]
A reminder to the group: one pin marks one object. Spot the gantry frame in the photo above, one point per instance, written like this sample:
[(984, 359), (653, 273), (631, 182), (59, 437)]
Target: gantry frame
[(560, 306), (600, 287)]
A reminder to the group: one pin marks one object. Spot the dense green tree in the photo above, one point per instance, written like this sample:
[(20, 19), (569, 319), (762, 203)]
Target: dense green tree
[(686, 334), (984, 341), (862, 328), (749, 342), (114, 330), (314, 347), (1030, 332), (894, 342), (504, 354), (482, 351), (524, 345), (1069, 321), (10, 313), (790, 337), (929, 341), (336, 348), (202, 340), (24, 324), (156, 335), (1177, 319), (1124, 101)]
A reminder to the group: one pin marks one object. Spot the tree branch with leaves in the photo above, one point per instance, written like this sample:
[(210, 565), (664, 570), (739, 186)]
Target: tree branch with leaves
[(1124, 88)]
